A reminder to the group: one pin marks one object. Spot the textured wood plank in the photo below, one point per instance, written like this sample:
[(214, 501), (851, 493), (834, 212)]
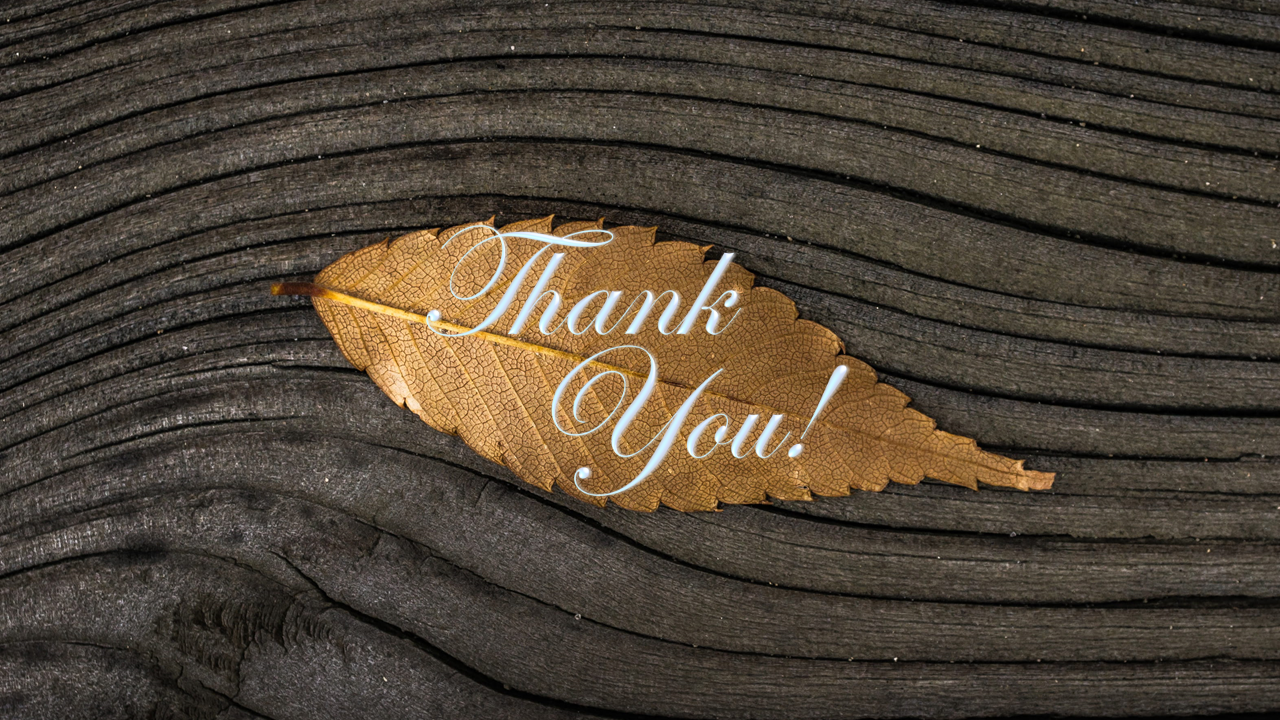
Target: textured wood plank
[(1052, 223)]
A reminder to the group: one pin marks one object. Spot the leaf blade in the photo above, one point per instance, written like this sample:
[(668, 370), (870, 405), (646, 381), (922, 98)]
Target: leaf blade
[(865, 438)]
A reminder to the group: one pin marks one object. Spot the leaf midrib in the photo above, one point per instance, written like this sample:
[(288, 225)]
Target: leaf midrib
[(319, 291)]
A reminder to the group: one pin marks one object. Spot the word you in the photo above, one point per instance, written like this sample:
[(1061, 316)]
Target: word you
[(603, 322)]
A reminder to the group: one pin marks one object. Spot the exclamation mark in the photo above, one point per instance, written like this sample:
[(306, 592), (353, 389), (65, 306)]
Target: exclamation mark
[(837, 377)]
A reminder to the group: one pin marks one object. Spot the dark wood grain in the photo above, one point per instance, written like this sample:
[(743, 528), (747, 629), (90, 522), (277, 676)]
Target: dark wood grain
[(1052, 223)]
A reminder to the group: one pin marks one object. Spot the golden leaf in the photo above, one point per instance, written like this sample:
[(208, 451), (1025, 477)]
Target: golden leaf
[(496, 390)]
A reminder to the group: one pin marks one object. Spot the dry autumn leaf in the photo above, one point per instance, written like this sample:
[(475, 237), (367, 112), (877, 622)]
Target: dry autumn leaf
[(496, 387)]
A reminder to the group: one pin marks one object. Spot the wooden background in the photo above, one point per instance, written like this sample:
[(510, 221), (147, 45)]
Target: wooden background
[(1053, 223)]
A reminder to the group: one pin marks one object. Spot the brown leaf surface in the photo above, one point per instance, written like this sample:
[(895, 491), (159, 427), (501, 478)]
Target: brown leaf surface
[(495, 391)]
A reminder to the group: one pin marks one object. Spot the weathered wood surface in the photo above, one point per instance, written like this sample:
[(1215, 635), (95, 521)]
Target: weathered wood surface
[(1053, 223)]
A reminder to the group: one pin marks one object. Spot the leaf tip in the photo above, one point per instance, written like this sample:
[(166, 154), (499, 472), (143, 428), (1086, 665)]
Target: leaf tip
[(1037, 480)]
